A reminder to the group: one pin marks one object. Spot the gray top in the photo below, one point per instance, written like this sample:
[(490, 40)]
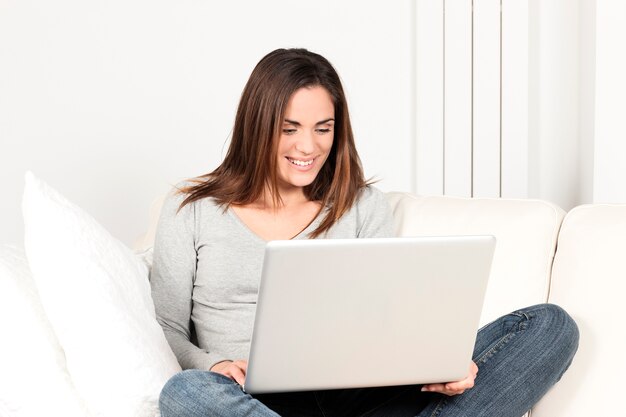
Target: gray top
[(207, 267)]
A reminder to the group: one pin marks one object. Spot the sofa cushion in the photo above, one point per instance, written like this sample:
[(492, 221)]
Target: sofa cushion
[(589, 281), (31, 359), (96, 294), (525, 231)]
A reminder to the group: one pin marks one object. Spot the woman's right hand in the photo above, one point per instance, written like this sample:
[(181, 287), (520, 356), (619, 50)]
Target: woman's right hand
[(455, 388), (235, 370)]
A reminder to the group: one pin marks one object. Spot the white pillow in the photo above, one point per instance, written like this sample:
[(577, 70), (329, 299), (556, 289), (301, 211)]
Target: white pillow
[(97, 296), (33, 377)]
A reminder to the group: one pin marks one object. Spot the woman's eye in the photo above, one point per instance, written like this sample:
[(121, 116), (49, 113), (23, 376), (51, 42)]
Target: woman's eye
[(289, 131), (322, 131)]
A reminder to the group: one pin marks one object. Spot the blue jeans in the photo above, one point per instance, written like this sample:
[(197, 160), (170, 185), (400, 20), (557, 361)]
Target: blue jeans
[(519, 356)]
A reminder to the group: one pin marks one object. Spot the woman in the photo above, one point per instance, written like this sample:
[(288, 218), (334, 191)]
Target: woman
[(292, 172)]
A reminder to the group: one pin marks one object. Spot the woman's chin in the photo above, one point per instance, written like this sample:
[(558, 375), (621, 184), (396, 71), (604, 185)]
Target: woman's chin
[(299, 181)]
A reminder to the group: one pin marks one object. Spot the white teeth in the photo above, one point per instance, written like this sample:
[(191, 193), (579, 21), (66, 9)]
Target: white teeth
[(300, 163)]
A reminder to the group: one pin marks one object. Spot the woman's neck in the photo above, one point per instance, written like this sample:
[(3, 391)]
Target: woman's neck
[(288, 199), (284, 221)]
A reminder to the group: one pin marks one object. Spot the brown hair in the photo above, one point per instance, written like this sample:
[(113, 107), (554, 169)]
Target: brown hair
[(250, 163)]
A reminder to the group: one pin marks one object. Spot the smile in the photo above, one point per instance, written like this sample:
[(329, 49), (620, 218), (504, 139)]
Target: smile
[(300, 163)]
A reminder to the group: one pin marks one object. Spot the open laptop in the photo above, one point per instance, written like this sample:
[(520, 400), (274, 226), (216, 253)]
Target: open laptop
[(349, 313)]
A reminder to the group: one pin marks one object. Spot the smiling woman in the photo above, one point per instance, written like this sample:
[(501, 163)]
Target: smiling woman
[(292, 143), (292, 172)]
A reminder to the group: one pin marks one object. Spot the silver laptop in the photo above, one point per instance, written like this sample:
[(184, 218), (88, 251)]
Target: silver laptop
[(348, 313)]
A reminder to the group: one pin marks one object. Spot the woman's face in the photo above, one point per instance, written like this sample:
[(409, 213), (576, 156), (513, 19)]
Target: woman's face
[(306, 138)]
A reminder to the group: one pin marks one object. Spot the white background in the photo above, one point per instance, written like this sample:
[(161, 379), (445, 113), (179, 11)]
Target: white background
[(112, 101)]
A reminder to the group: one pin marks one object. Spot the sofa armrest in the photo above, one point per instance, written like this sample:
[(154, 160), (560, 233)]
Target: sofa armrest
[(589, 281)]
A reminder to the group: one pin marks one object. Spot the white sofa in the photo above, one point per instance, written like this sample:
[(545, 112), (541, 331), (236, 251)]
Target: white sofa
[(576, 260), (586, 276)]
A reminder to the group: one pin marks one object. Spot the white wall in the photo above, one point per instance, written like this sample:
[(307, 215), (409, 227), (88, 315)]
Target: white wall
[(586, 113), (553, 102), (110, 102), (610, 109), (577, 138)]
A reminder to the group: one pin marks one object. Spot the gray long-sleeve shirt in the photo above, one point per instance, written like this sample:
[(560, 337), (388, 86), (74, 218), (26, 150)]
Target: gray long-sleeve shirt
[(206, 271)]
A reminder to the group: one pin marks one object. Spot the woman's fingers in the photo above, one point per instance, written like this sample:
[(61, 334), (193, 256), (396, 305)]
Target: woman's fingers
[(434, 387), (474, 369), (234, 370), (243, 365), (443, 389), (467, 383), (457, 387), (237, 374)]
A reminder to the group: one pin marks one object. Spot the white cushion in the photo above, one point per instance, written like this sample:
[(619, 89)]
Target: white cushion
[(525, 231), (33, 377), (97, 296), (589, 281)]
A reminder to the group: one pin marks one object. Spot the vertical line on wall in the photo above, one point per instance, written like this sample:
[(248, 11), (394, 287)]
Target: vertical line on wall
[(500, 121), (413, 87), (472, 108), (444, 98)]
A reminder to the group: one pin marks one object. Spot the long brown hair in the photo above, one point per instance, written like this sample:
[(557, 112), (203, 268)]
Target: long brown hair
[(249, 167)]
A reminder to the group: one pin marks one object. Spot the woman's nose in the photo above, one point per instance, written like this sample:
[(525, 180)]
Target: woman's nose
[(305, 144)]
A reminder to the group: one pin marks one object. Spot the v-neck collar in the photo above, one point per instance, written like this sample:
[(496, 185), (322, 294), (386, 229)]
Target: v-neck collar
[(300, 235)]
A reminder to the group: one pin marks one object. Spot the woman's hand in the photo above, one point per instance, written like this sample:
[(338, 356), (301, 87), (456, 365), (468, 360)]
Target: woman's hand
[(454, 388), (235, 370)]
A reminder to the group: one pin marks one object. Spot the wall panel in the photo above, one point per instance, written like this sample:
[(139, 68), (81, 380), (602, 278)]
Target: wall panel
[(486, 99), (429, 97), (610, 134), (515, 118), (458, 97)]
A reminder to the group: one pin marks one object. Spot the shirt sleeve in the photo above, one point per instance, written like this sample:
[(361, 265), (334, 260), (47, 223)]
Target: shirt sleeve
[(172, 280), (374, 214)]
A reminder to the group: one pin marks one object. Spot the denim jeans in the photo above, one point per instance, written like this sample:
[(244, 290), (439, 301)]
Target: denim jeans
[(519, 357)]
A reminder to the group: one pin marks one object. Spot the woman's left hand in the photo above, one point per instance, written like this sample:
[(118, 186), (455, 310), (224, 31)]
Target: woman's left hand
[(454, 388)]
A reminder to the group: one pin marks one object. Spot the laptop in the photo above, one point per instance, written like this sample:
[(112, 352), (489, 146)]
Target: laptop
[(335, 313)]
